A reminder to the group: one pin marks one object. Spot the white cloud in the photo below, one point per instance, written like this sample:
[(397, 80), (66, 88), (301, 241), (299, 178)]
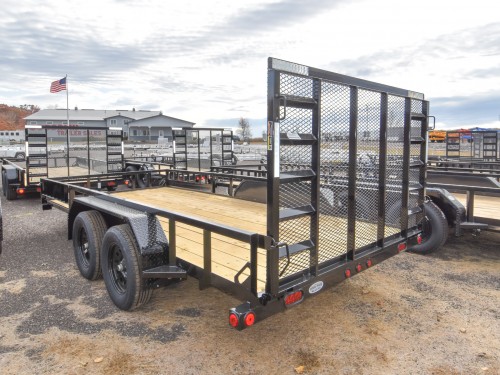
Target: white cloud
[(206, 61)]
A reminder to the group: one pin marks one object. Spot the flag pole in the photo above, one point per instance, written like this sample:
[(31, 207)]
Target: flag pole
[(67, 101)]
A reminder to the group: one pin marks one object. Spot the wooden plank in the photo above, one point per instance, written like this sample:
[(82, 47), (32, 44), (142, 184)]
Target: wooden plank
[(228, 257), (237, 213), (484, 206)]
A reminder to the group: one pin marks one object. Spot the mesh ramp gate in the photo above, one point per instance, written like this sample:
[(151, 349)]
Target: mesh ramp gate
[(57, 151), (347, 165)]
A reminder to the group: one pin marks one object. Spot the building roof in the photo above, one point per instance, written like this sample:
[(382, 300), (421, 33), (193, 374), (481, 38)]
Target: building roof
[(180, 122), (89, 114)]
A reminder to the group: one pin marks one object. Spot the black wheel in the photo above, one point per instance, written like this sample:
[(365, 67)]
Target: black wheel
[(122, 267), (435, 230), (139, 179), (11, 193), (20, 156), (88, 232)]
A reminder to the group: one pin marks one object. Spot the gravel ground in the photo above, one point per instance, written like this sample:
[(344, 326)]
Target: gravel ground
[(412, 314)]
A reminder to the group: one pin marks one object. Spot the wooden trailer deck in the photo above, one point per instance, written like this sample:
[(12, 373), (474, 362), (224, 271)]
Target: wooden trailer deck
[(230, 256), (62, 172)]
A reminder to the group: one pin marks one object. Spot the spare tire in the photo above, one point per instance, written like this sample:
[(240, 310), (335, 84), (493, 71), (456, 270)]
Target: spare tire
[(435, 230)]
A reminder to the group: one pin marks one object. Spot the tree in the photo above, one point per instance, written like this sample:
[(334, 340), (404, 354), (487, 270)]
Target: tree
[(244, 129)]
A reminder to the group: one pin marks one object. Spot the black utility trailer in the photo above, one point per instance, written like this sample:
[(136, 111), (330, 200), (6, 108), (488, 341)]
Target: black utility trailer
[(62, 152), (327, 214)]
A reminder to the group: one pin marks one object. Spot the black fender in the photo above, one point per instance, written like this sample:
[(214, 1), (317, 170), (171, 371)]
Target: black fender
[(147, 230), (453, 210), (11, 173)]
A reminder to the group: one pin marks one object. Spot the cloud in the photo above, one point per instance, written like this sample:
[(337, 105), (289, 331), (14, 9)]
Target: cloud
[(475, 109)]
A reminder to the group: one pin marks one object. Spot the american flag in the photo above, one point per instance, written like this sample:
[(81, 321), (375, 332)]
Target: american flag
[(59, 85)]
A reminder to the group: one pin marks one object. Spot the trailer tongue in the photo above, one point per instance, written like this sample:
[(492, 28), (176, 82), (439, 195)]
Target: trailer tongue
[(344, 190)]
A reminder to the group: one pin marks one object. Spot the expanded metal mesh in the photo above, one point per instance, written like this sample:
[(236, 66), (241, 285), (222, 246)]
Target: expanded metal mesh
[(394, 170), (336, 101)]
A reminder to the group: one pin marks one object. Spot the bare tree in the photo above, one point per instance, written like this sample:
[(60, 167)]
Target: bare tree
[(244, 129)]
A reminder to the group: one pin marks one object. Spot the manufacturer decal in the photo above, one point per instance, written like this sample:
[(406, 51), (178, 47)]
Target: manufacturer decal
[(270, 130), (316, 287)]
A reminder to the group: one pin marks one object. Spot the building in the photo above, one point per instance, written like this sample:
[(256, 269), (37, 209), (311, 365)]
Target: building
[(10, 133), (137, 125)]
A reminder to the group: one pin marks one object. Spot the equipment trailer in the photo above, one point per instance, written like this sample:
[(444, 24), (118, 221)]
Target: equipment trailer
[(327, 213), (61, 152)]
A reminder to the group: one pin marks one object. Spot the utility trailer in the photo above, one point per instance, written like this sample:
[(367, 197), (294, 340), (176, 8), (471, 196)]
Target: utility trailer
[(61, 152), (308, 234)]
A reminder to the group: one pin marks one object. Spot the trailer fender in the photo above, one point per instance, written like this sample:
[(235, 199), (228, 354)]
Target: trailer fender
[(451, 207), (150, 237), (11, 173)]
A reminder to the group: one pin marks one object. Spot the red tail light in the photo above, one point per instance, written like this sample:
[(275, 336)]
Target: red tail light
[(20, 191), (419, 239), (369, 263), (39, 189), (359, 268), (249, 318), (234, 320), (401, 246), (126, 182), (111, 183), (294, 297), (347, 273)]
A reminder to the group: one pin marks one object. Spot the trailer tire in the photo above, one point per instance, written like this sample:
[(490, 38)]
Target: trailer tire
[(122, 267), (11, 192), (89, 228), (20, 156), (435, 230)]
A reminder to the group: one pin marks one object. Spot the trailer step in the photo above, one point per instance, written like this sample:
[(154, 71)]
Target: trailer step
[(292, 139), (295, 248), (41, 156), (37, 165), (417, 116), (165, 272), (300, 102), (33, 145), (295, 213), (416, 140), (38, 175)]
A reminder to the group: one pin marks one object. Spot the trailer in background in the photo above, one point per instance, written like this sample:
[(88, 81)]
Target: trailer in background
[(62, 152)]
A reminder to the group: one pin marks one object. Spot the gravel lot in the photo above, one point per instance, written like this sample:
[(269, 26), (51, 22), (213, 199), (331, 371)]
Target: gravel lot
[(413, 314)]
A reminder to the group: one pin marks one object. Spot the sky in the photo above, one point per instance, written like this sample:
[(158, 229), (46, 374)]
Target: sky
[(206, 61)]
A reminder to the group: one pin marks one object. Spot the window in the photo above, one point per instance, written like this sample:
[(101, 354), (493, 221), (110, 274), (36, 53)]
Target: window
[(49, 122), (12, 133), (145, 132), (1, 133), (32, 122), (112, 122), (80, 123), (17, 133), (134, 132)]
